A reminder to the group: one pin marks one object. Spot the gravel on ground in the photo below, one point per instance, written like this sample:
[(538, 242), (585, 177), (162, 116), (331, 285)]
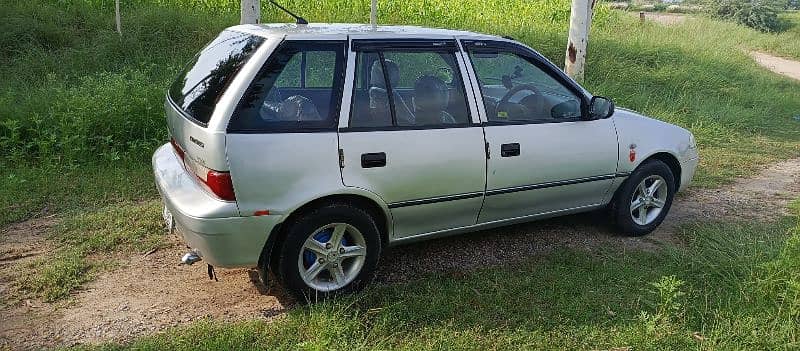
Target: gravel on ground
[(150, 292)]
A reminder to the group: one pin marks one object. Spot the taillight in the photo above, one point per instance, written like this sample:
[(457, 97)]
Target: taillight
[(220, 184), (177, 148)]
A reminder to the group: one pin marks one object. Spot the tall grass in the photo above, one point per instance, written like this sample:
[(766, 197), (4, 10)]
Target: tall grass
[(76, 98)]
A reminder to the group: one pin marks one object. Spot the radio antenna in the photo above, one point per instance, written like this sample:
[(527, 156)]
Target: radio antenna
[(298, 19)]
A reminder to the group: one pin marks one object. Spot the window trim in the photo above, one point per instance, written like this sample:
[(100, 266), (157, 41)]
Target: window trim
[(185, 115), (535, 59), (380, 46), (389, 89), (337, 87), (372, 45)]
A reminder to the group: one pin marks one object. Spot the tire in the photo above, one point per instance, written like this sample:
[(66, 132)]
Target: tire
[(630, 200), (333, 274)]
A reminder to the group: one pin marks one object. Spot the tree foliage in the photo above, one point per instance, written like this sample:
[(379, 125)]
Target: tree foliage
[(758, 14)]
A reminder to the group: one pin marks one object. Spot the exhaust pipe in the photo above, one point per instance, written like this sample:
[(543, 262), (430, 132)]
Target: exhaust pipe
[(191, 258)]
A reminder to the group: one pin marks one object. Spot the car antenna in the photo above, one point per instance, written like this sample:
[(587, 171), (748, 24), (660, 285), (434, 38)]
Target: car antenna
[(298, 19)]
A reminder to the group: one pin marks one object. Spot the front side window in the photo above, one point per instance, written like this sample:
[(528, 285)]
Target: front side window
[(205, 78), (298, 89), (516, 90), (408, 88)]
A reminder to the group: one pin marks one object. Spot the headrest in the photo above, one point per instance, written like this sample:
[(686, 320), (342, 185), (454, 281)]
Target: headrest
[(294, 108), (431, 93), (376, 78)]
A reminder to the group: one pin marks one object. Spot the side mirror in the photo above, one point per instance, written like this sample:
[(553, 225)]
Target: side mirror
[(600, 107)]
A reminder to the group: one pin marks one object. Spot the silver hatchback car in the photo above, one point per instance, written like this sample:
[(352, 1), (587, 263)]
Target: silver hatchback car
[(305, 150)]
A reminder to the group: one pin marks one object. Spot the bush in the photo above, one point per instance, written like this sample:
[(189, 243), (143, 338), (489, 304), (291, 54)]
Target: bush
[(758, 14)]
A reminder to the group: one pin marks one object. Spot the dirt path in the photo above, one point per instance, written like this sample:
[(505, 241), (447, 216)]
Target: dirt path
[(778, 65), (152, 292), (667, 19)]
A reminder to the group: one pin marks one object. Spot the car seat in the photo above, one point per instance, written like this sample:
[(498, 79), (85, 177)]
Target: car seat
[(378, 96), (431, 98)]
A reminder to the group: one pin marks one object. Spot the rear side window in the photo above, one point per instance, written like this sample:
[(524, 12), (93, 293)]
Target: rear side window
[(408, 88), (299, 89), (208, 74)]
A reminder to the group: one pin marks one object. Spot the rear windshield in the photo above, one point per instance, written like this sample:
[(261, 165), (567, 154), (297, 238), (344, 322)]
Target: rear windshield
[(207, 75)]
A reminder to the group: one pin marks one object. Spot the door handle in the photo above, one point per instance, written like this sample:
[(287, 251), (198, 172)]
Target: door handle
[(374, 159), (509, 150)]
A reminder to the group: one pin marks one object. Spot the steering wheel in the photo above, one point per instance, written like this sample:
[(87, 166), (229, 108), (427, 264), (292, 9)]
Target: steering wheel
[(511, 92)]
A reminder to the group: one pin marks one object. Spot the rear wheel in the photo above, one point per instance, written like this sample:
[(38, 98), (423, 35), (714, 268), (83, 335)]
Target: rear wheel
[(333, 249), (643, 201)]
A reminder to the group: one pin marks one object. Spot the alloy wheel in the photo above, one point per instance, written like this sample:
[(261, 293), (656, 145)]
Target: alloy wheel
[(648, 200), (332, 257)]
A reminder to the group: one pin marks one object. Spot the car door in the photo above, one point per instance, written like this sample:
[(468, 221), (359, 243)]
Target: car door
[(412, 137), (282, 137), (543, 156)]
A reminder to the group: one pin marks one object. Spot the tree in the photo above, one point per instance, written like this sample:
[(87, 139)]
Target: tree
[(758, 14), (117, 17), (251, 12), (580, 20)]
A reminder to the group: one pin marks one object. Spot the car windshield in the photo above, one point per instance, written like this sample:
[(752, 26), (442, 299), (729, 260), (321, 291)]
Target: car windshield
[(208, 74)]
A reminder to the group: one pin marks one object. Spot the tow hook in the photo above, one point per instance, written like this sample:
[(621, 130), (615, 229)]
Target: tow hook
[(211, 274), (190, 258)]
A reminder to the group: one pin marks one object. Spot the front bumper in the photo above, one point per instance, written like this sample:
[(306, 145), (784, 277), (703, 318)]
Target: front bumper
[(208, 225), (688, 167)]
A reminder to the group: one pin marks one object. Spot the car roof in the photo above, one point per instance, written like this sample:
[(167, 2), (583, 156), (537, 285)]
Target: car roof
[(338, 30)]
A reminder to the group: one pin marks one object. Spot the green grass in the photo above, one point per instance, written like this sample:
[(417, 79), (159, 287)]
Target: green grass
[(27, 192), (81, 242), (81, 107), (54, 276), (81, 112), (733, 285)]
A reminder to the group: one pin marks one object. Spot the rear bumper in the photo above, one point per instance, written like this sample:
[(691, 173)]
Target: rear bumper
[(207, 224)]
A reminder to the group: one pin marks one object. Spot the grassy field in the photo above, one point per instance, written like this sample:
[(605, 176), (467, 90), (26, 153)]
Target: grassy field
[(81, 107), (733, 286), (81, 113)]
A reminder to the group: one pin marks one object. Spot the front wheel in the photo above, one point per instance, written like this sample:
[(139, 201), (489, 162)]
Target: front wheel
[(643, 201), (330, 250)]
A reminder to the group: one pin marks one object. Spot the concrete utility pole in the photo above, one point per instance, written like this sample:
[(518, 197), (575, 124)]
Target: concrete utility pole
[(251, 12), (580, 20), (117, 17), (373, 14)]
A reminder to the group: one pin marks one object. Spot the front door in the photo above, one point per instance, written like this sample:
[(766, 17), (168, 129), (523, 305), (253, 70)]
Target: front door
[(544, 157), (411, 138)]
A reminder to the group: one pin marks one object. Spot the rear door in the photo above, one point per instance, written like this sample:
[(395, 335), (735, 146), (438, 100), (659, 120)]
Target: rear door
[(281, 139), (412, 136), (544, 157)]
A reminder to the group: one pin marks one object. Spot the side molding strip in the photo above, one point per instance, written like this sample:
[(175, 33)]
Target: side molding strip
[(552, 184), (506, 190), (435, 200)]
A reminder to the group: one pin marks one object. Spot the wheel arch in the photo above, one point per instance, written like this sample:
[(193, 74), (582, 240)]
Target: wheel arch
[(671, 161), (374, 206)]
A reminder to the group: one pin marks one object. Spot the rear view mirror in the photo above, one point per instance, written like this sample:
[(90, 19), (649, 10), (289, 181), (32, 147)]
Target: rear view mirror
[(600, 107)]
